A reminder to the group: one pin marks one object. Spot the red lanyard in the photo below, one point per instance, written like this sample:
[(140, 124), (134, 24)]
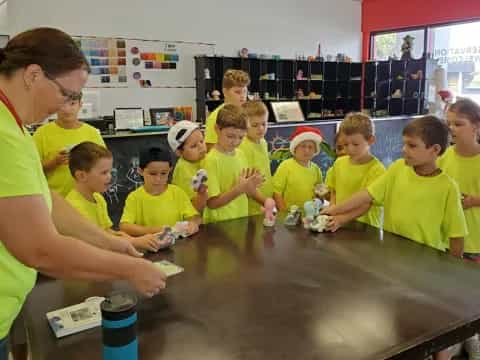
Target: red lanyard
[(8, 104)]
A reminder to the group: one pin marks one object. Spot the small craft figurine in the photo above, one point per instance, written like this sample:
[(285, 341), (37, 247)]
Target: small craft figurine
[(311, 210), (206, 72), (397, 94), (300, 93), (270, 211), (243, 53), (320, 223), (407, 47), (216, 95), (293, 216), (300, 74), (417, 76), (166, 238), (321, 190), (199, 179)]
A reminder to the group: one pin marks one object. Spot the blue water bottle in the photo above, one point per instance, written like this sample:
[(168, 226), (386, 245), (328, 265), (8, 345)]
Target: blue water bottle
[(119, 327)]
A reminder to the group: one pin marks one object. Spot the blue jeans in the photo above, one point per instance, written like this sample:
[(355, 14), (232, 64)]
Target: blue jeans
[(3, 349)]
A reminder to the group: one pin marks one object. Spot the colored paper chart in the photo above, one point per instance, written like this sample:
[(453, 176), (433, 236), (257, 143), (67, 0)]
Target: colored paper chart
[(107, 58)]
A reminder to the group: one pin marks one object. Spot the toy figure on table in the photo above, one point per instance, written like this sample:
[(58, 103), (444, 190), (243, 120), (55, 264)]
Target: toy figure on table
[(270, 211), (293, 217), (311, 210)]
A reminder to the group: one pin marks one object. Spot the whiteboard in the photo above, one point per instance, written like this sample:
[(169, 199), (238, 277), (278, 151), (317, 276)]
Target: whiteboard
[(137, 72), (122, 62)]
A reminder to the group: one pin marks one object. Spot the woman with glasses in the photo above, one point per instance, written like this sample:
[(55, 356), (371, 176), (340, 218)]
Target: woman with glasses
[(40, 70)]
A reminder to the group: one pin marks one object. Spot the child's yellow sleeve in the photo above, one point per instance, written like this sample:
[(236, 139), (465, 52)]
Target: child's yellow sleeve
[(330, 179), (210, 134), (378, 188), (105, 221)]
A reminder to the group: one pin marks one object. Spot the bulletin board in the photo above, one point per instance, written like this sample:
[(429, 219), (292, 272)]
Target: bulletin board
[(137, 63)]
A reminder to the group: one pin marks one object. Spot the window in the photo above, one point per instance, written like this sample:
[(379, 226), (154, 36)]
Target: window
[(388, 45), (457, 49)]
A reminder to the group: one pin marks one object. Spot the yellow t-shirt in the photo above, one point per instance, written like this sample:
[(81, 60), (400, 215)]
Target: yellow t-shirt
[(223, 171), (96, 212), (21, 174), (424, 209), (258, 158), (346, 178), (51, 139), (466, 172), (183, 173), (210, 133), (167, 208), (296, 183)]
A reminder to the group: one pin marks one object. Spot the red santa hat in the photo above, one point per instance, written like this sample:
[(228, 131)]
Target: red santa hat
[(304, 133)]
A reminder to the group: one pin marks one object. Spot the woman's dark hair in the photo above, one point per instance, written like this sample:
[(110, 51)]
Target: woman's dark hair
[(52, 49)]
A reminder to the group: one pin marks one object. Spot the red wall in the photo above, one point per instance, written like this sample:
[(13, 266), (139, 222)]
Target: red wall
[(380, 15)]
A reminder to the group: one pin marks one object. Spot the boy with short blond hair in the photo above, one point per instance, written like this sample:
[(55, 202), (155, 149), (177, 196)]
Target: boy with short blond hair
[(255, 149), (91, 166), (230, 181), (234, 88), (349, 174)]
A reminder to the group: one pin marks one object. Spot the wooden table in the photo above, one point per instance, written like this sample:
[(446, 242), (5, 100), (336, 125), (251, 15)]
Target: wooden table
[(250, 292)]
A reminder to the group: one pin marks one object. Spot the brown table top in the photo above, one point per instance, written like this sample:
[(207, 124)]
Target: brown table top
[(250, 292)]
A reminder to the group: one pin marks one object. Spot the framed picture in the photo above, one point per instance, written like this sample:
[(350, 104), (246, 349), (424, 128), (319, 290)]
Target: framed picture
[(162, 116), (128, 118), (286, 111)]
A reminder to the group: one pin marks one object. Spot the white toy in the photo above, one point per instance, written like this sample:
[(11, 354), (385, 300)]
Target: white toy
[(180, 230), (320, 223), (293, 216), (199, 179), (166, 238)]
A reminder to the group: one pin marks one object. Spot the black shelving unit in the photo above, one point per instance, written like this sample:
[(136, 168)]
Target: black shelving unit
[(330, 89), (395, 87)]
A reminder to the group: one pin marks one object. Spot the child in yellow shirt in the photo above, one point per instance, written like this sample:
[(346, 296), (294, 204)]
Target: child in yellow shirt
[(358, 169), (420, 201), (157, 204), (230, 181), (234, 89), (54, 141), (255, 149), (295, 179), (186, 140), (91, 167), (462, 162)]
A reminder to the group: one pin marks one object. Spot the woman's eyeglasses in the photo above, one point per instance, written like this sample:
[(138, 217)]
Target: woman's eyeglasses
[(69, 95)]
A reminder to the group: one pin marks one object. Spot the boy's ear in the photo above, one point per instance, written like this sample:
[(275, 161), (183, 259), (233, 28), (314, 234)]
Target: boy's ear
[(140, 170), (436, 148), (178, 153), (80, 175), (371, 140)]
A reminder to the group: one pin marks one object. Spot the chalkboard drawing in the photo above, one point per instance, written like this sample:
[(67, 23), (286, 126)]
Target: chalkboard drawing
[(112, 192), (135, 179)]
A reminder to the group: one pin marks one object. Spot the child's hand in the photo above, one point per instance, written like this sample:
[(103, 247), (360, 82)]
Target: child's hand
[(192, 228), (254, 180), (203, 190), (61, 158), (335, 222), (469, 201), (147, 242)]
